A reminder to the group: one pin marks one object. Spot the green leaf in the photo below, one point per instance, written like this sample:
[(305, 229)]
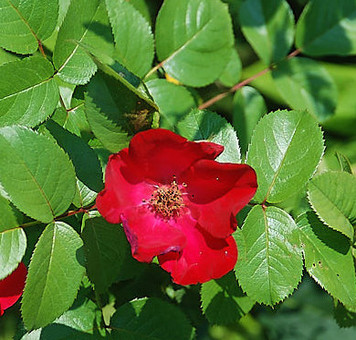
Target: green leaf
[(344, 317), (75, 324), (54, 275), (84, 159), (28, 93), (10, 217), (269, 27), (344, 162), (206, 125), (25, 23), (105, 245), (114, 112), (327, 27), (86, 22), (286, 148), (194, 40), (174, 101), (84, 196), (223, 301), (248, 107), (134, 47), (12, 249), (150, 319), (305, 84), (270, 264), (328, 259), (232, 72), (36, 174), (333, 197)]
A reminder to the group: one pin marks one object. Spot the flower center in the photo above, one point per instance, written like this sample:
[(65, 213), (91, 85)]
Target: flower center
[(167, 200)]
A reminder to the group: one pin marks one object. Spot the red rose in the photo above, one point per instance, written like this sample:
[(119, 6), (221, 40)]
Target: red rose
[(177, 203), (11, 287)]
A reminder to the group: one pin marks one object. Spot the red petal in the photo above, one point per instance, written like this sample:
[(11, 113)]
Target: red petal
[(202, 259), (217, 192), (150, 235), (161, 154), (11, 287), (124, 187)]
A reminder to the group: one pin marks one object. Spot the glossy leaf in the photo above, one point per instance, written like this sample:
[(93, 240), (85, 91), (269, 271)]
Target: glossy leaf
[(232, 72), (28, 93), (114, 112), (36, 174), (223, 301), (206, 125), (269, 28), (305, 84), (327, 27), (333, 197), (54, 275), (174, 101), (76, 323), (105, 246), (286, 148), (87, 23), (134, 47), (270, 264), (328, 259), (84, 159), (10, 217), (12, 250), (194, 40), (83, 196), (248, 107), (24, 23), (151, 319)]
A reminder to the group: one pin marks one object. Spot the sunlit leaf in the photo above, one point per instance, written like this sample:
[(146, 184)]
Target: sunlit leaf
[(194, 40), (270, 264), (28, 93), (54, 276), (285, 150), (36, 173), (333, 197)]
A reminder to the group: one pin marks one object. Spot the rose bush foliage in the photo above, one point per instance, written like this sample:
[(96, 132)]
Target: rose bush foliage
[(120, 191)]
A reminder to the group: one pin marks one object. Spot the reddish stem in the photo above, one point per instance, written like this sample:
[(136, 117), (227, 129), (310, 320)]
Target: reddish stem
[(40, 46), (243, 83)]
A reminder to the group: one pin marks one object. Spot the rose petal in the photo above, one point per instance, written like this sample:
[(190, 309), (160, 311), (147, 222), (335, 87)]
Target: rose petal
[(162, 154), (124, 187), (11, 287), (217, 192), (202, 259), (150, 235)]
